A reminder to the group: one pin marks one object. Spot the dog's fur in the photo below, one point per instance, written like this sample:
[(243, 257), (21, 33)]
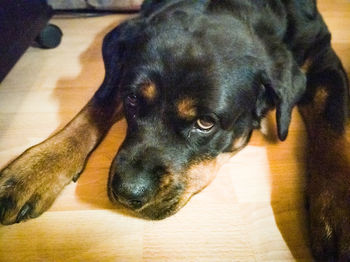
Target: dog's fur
[(193, 78)]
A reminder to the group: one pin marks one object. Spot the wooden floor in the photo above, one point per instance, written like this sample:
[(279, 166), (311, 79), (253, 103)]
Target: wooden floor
[(253, 211)]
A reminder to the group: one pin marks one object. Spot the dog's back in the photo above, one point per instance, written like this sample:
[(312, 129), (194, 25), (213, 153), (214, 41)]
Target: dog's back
[(296, 23)]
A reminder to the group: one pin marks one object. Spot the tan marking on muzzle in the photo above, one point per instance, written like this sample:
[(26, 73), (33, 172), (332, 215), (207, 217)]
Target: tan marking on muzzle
[(166, 181), (149, 91), (201, 174), (240, 142), (186, 108), (194, 179)]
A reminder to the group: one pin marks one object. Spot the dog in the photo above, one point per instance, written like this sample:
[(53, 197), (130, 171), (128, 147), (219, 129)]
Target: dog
[(194, 78)]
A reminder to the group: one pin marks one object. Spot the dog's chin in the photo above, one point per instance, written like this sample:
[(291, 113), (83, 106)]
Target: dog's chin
[(175, 189), (159, 212), (155, 210)]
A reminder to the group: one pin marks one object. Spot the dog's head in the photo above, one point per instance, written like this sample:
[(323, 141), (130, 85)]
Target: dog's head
[(192, 86)]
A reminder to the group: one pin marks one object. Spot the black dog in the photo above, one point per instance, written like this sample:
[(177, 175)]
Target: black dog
[(193, 78)]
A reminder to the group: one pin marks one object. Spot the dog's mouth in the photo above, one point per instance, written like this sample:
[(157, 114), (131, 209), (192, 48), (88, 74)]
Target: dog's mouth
[(158, 211), (159, 207), (170, 197), (175, 190)]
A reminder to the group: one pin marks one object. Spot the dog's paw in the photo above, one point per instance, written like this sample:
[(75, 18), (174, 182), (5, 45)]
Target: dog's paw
[(330, 225), (30, 184)]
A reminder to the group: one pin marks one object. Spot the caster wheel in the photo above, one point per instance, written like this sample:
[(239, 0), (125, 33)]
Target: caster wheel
[(49, 37)]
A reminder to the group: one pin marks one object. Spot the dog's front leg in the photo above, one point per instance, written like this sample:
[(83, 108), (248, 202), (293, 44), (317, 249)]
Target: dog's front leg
[(30, 184), (324, 111)]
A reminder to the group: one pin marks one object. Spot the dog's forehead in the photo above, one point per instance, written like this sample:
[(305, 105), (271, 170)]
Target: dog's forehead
[(184, 102), (185, 73), (191, 88)]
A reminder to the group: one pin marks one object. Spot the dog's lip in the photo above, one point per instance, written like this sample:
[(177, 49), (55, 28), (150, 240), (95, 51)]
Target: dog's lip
[(150, 210), (157, 208)]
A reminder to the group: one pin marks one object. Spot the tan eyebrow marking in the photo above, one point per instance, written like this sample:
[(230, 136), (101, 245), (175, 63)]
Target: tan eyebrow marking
[(186, 108), (149, 91)]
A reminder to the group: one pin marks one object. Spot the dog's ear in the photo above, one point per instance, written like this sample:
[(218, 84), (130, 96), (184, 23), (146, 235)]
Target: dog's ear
[(114, 52), (284, 89)]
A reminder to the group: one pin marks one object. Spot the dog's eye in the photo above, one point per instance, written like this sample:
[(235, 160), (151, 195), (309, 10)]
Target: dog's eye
[(131, 100), (205, 123)]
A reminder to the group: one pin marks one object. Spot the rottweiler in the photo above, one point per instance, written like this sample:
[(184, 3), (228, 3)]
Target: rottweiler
[(194, 78)]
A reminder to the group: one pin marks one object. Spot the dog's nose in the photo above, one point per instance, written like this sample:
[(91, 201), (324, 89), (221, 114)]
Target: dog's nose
[(134, 193)]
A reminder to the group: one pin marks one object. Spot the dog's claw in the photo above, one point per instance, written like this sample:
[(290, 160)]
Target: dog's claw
[(2, 211), (23, 213), (5, 204), (76, 177)]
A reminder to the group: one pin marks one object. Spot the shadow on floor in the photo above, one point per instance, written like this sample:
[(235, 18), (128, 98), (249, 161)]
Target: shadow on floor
[(288, 191), (92, 185)]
